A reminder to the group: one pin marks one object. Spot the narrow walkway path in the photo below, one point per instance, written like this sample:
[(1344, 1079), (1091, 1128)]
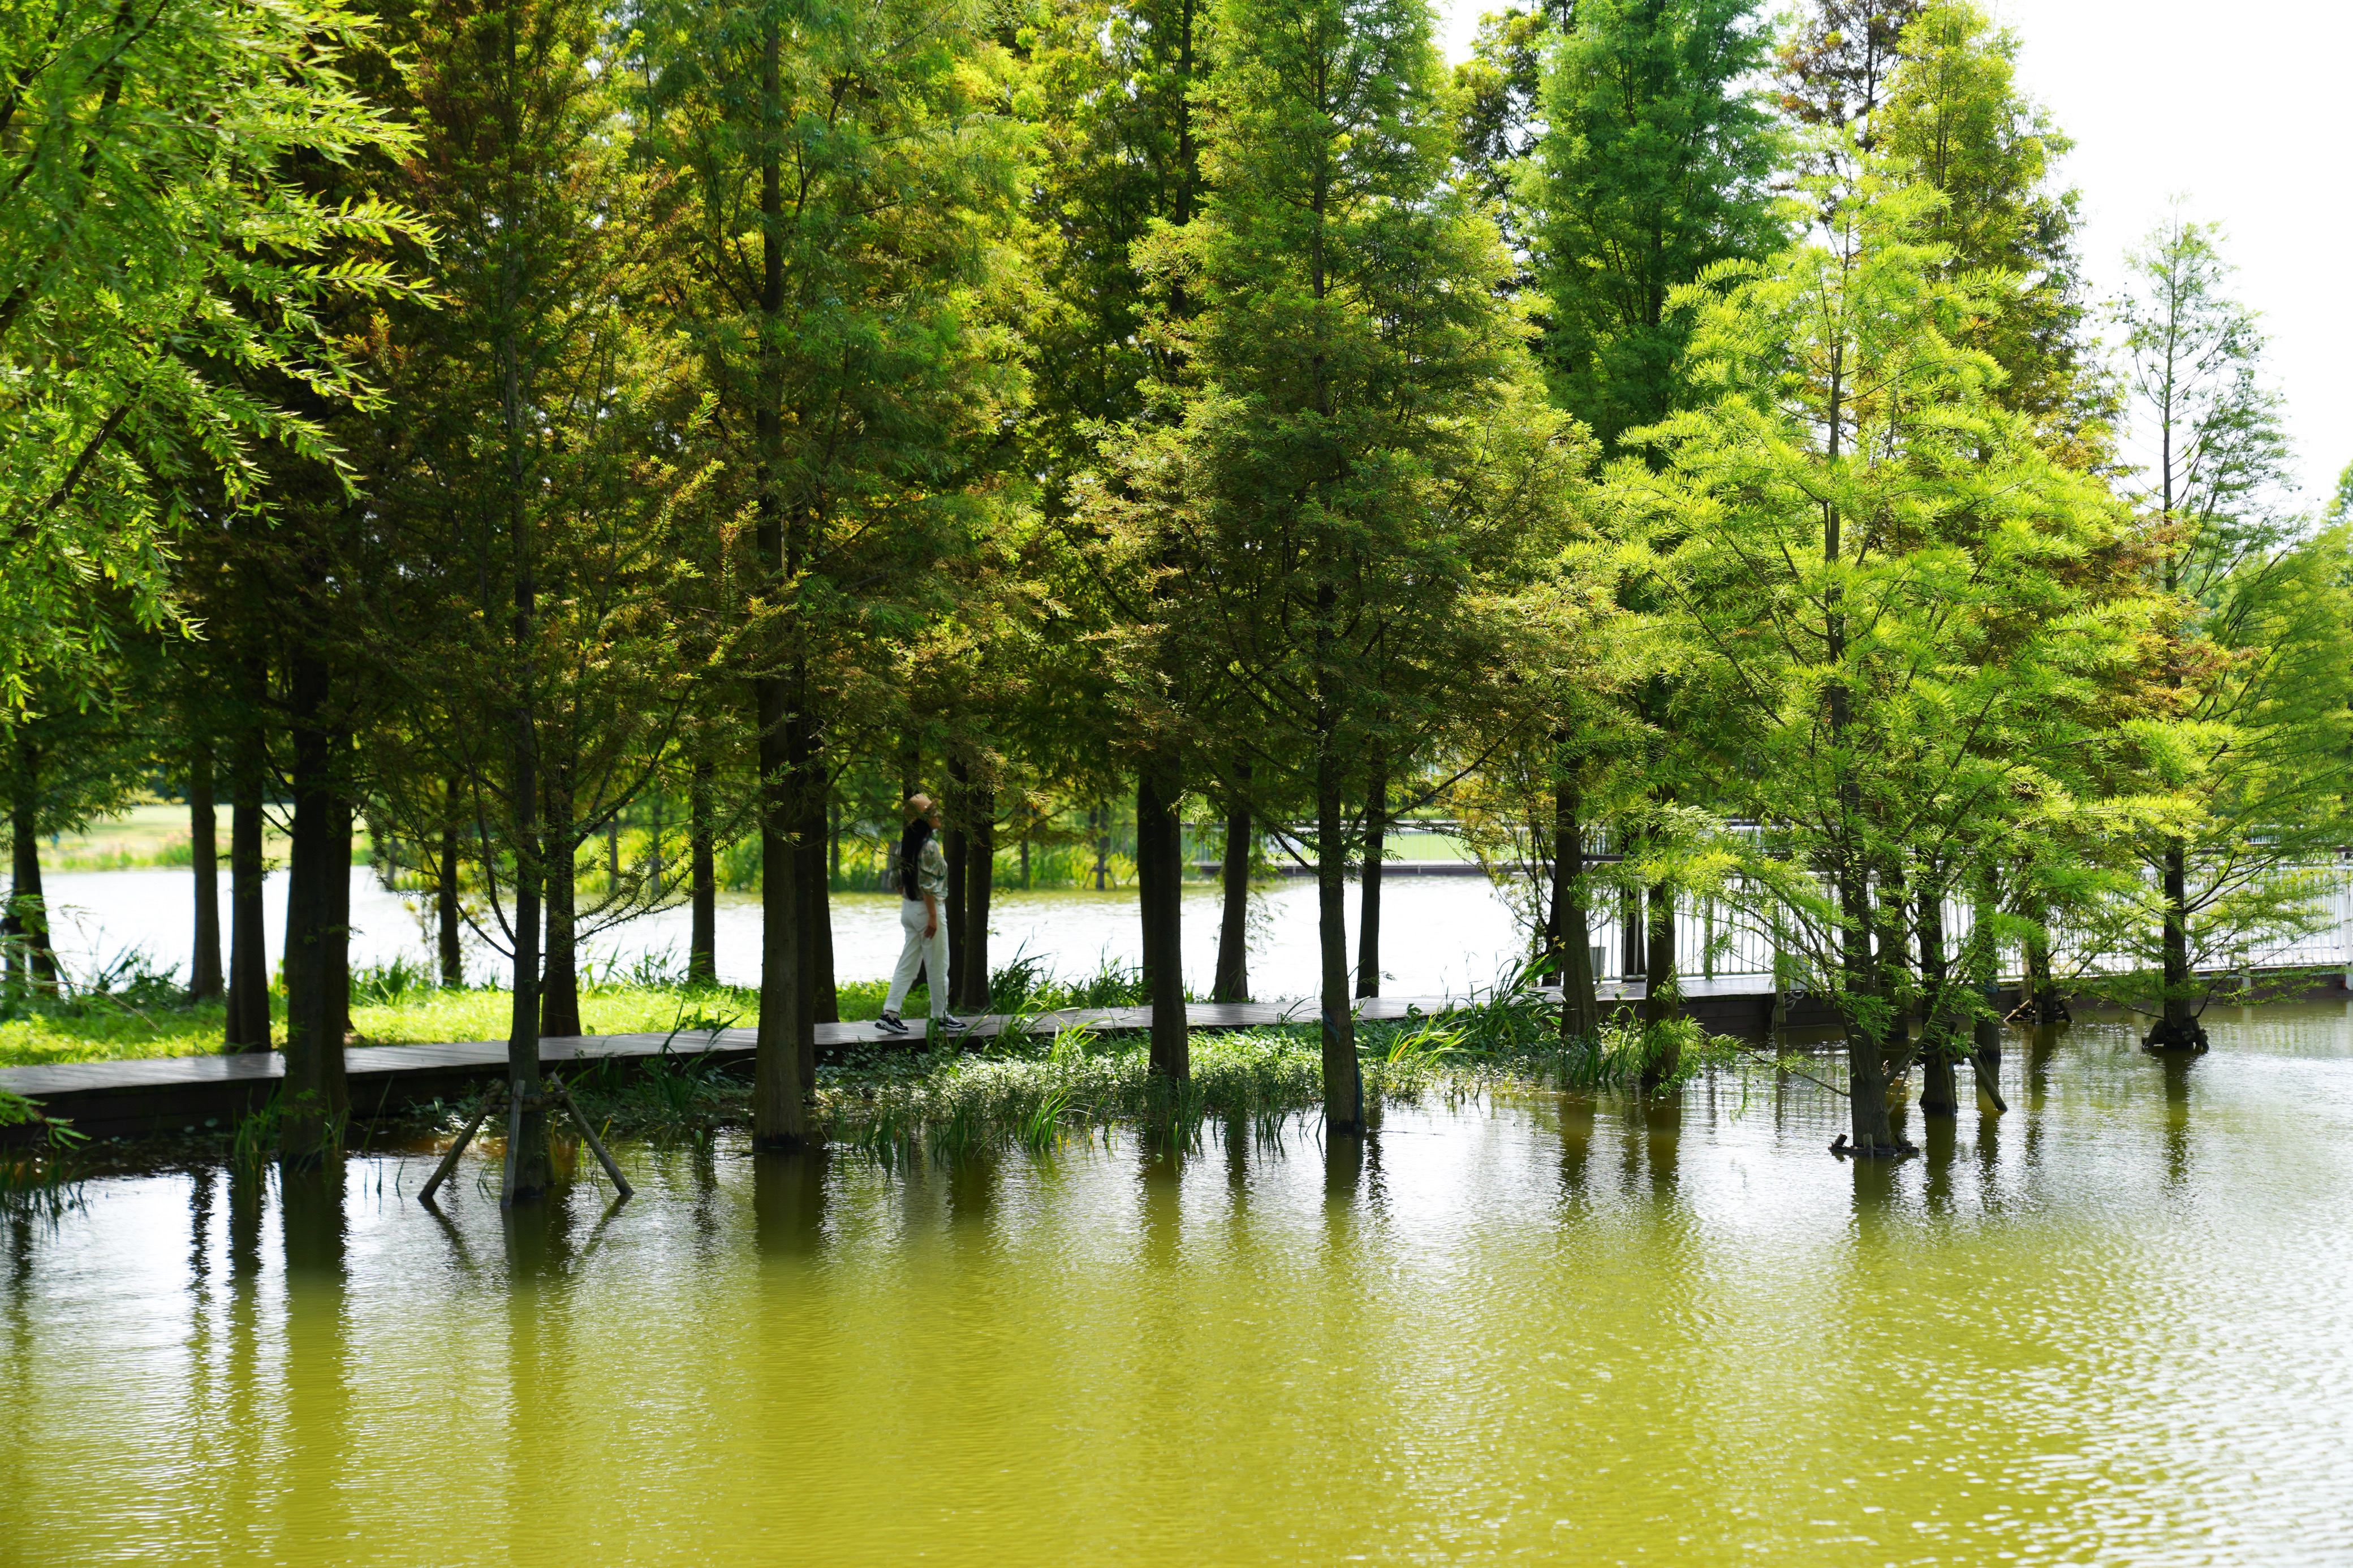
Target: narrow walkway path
[(172, 1093)]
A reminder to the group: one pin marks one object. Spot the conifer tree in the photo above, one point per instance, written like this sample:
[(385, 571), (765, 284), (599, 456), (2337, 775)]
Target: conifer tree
[(1953, 116), (847, 181), (1363, 440), (1654, 166), (1890, 589), (2253, 661), (536, 500), (155, 259)]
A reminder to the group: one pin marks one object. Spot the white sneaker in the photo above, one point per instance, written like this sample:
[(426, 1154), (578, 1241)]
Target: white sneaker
[(891, 1024), (953, 1024)]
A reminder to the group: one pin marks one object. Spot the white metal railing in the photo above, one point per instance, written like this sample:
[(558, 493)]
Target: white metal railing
[(1718, 939)]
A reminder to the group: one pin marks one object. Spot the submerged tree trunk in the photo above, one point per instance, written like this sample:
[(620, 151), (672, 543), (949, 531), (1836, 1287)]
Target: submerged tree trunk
[(445, 895), (702, 885), (247, 1027), (980, 885), (1866, 1069), (204, 861), (318, 934), (1940, 1047), (1658, 995), (1232, 981), (1343, 1090), (1160, 883), (1369, 930), (2041, 1003), (1580, 1008), (804, 792), (528, 1156), (2178, 1028), (779, 1113), (778, 1117)]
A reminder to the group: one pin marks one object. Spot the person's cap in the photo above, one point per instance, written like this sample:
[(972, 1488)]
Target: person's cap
[(919, 803)]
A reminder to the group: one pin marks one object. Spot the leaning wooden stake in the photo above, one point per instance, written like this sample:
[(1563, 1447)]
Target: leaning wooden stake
[(1986, 1084), (448, 1164), (612, 1169)]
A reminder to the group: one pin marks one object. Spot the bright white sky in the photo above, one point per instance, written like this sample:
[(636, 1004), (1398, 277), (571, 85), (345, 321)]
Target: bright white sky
[(2237, 110)]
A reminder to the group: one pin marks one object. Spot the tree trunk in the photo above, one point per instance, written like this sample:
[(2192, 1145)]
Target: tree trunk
[(2041, 1003), (980, 877), (1160, 882), (247, 1027), (2178, 1028), (1343, 1090), (1369, 920), (956, 848), (1580, 1008), (318, 934), (702, 894), (559, 985), (528, 1157), (807, 816), (816, 912), (32, 962), (1866, 1066), (778, 1117), (445, 895), (1940, 1046), (1232, 981), (204, 861), (1659, 996), (778, 1108)]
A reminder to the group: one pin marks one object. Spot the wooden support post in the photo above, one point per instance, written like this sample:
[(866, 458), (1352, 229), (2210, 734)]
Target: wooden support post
[(448, 1164), (515, 1106), (604, 1159)]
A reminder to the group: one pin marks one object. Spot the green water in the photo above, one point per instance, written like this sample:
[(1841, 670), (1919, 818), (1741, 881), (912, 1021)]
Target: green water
[(2111, 1327)]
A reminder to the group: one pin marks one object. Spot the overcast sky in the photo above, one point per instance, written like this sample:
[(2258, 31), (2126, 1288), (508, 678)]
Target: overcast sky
[(2238, 109)]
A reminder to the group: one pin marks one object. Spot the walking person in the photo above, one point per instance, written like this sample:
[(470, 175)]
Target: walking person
[(923, 884)]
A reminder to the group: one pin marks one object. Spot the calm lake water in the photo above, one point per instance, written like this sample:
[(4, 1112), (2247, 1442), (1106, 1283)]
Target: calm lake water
[(2112, 1326), (1442, 935)]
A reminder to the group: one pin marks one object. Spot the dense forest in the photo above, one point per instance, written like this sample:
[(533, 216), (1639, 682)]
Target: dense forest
[(590, 454)]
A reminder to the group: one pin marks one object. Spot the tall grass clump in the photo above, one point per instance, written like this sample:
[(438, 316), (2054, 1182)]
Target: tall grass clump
[(944, 1106)]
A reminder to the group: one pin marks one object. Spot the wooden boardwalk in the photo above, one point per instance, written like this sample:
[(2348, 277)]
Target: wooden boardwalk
[(170, 1094)]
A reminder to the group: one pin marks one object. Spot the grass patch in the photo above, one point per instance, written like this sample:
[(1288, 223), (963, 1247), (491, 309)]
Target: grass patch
[(388, 1008)]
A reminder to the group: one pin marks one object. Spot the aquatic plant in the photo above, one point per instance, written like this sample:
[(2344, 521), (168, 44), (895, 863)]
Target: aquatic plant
[(941, 1104)]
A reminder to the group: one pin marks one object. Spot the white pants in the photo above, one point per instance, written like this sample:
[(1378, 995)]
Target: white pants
[(920, 952)]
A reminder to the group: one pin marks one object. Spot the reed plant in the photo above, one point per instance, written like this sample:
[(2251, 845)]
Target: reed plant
[(943, 1104)]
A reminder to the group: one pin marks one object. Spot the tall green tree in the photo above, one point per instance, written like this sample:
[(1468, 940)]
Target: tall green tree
[(849, 178), (1954, 117), (1881, 576), (537, 503), (2252, 665), (1120, 158), (154, 258), (1655, 164), (1363, 437)]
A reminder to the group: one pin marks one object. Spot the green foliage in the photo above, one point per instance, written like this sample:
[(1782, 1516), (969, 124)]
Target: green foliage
[(1656, 163), (1910, 618), (2254, 663), (156, 265), (1954, 118)]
